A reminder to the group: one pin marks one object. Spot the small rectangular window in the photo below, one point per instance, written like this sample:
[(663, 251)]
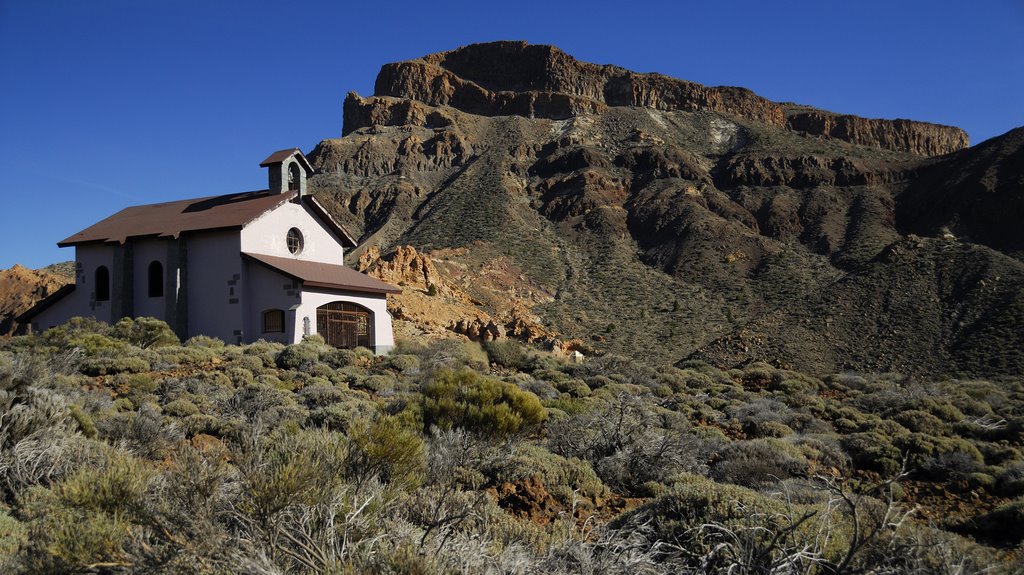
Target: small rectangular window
[(273, 321)]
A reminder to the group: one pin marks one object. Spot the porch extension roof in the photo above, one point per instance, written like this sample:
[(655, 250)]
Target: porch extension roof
[(323, 275)]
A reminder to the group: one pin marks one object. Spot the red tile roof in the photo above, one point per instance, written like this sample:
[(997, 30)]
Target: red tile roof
[(170, 219), (282, 155), (323, 275)]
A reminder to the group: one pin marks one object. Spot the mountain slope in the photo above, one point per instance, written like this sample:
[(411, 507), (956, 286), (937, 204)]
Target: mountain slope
[(672, 220), (975, 194)]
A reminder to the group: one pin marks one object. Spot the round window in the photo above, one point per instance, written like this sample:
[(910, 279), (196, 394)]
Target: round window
[(294, 240)]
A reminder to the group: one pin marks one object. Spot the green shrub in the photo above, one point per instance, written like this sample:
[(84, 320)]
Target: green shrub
[(924, 450), (598, 381), (187, 356), (13, 536), (319, 370), (266, 351), (378, 383), (1001, 526), (84, 421), (823, 454), (401, 362), (201, 423), (204, 341), (62, 539), (768, 429), (251, 363), (453, 354), (297, 355), (706, 518), (181, 408), (118, 485), (1011, 480), (922, 422), (386, 450), (341, 358), (94, 344), (290, 469), (561, 476), (265, 404), (314, 339), (552, 376), (479, 404), (113, 365), (320, 393), (65, 336), (507, 352), (874, 452), (758, 462), (340, 416), (145, 332)]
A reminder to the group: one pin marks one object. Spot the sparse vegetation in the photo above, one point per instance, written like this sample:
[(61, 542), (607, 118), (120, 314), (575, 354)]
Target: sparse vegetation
[(304, 459)]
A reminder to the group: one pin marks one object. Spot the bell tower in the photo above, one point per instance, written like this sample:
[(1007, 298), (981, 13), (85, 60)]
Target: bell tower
[(287, 170)]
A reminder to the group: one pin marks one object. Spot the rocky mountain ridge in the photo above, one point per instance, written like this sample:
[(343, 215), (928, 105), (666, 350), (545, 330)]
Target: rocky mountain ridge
[(536, 81), (668, 219)]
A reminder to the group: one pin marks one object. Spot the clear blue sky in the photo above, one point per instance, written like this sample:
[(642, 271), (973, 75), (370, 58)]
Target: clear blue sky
[(106, 104)]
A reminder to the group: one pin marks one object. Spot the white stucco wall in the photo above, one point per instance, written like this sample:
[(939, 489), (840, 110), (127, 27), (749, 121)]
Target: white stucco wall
[(81, 302), (216, 299), (266, 235), (267, 289), (382, 330), (64, 309)]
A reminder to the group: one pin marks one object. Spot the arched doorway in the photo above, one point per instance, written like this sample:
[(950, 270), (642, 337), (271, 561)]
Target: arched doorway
[(344, 324)]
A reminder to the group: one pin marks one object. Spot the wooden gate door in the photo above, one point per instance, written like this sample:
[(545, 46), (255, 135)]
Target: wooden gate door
[(344, 324)]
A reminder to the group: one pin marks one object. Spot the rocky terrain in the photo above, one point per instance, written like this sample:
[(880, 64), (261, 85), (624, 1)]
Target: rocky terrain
[(648, 215), (21, 288)]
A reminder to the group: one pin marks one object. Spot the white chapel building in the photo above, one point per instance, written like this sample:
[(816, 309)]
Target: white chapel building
[(240, 267)]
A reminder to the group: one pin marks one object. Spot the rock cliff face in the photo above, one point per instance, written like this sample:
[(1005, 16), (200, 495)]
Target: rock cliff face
[(536, 81), (918, 138)]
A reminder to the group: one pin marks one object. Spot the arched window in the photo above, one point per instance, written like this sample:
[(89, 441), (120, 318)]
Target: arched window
[(156, 279), (294, 175), (102, 284), (273, 321)]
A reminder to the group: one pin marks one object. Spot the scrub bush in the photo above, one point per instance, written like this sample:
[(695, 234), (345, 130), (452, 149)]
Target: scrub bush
[(297, 356), (113, 365), (145, 332), (479, 404), (507, 352), (758, 462)]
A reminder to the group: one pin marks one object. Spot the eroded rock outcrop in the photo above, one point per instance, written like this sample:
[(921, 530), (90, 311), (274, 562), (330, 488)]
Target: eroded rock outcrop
[(435, 297), (920, 138), (538, 81), (405, 267)]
